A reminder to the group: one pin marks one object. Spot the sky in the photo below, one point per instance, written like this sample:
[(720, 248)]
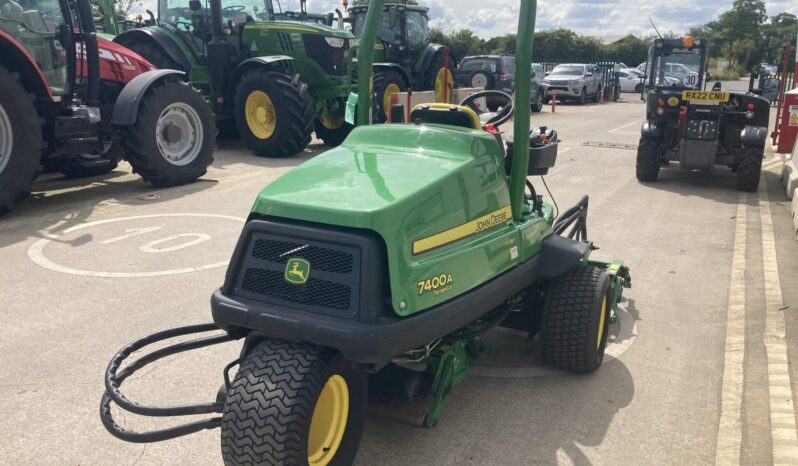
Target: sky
[(588, 17)]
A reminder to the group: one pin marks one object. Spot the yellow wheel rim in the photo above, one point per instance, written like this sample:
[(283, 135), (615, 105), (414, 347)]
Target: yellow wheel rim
[(390, 89), (444, 83), (328, 424), (260, 114), (601, 322), (331, 121)]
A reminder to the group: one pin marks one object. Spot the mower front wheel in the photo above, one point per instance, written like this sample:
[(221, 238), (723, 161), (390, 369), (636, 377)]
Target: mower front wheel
[(576, 319), (647, 166), (293, 403)]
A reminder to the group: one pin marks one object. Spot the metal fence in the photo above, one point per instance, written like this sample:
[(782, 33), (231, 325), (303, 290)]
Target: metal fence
[(609, 77)]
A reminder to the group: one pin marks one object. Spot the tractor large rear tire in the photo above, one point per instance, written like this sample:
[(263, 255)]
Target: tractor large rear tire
[(647, 166), (386, 83), (173, 139), (20, 141), (435, 77), (749, 168), (277, 405), (274, 113), (575, 323)]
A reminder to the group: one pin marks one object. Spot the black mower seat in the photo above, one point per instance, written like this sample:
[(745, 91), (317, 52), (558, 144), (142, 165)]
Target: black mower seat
[(445, 114)]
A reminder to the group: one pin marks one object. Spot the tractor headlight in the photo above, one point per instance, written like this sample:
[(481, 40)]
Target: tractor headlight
[(749, 114), (659, 111), (336, 42)]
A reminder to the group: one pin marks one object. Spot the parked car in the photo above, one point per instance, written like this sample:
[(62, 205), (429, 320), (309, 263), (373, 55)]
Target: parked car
[(631, 80), (574, 81), (497, 72)]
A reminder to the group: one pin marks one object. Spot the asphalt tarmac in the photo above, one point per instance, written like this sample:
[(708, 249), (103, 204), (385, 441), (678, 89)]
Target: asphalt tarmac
[(694, 373)]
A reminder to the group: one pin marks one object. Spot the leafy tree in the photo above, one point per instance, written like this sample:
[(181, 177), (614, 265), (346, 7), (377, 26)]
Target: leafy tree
[(122, 8)]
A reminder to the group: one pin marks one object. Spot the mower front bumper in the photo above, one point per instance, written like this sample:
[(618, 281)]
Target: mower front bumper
[(369, 342)]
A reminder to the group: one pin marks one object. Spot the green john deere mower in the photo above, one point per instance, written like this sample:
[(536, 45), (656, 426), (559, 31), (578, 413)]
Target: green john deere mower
[(371, 273), (271, 82)]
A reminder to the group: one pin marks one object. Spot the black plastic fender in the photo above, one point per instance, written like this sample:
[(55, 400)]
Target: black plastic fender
[(559, 254), (164, 41), (381, 66), (754, 135), (127, 104), (650, 129), (432, 50), (250, 63)]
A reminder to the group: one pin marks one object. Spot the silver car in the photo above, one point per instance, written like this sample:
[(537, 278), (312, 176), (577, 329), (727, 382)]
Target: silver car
[(573, 81)]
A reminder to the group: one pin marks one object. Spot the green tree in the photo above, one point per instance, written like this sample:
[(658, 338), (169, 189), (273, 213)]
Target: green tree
[(122, 8), (737, 28)]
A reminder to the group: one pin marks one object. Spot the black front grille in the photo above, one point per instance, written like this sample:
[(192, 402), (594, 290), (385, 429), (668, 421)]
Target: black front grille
[(316, 292), (329, 260), (333, 282), (331, 59)]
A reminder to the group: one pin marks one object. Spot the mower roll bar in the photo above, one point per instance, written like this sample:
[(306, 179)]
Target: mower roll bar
[(575, 216), (114, 379)]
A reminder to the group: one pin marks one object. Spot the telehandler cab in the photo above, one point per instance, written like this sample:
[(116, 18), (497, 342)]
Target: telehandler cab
[(371, 272)]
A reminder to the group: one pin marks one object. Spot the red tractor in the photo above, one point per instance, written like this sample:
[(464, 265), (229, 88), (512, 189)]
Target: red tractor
[(77, 103)]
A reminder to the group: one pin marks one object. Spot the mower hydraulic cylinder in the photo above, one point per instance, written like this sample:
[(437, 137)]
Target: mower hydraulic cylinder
[(365, 58), (523, 71)]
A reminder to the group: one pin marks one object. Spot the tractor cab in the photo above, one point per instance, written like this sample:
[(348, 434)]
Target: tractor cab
[(36, 25), (402, 34)]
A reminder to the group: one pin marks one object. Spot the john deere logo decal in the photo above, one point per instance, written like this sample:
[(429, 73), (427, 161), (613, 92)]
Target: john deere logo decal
[(297, 270)]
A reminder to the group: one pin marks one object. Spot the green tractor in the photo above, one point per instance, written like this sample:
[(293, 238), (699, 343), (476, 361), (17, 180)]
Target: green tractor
[(270, 82), (404, 58), (372, 271)]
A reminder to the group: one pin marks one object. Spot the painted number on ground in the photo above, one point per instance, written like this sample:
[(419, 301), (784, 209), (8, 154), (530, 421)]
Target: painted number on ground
[(141, 246)]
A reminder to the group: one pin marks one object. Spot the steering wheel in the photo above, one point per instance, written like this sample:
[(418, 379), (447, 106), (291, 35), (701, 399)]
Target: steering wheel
[(234, 8), (497, 118)]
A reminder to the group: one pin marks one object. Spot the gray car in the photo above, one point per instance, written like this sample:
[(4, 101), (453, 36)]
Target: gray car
[(497, 72), (576, 82)]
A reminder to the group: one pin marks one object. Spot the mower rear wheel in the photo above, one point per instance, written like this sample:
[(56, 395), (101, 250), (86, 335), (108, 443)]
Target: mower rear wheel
[(386, 83), (20, 141), (174, 136), (293, 403), (274, 113), (573, 333), (749, 168), (647, 167)]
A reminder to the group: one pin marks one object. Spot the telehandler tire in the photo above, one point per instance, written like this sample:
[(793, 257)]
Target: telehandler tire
[(749, 168), (173, 138), (293, 404), (647, 167), (575, 323), (20, 141), (274, 113)]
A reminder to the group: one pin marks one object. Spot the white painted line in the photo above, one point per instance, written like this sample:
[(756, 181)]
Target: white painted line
[(620, 129), (730, 434), (782, 414), (36, 251)]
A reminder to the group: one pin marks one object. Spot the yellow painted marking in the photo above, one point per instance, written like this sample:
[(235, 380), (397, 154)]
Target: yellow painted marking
[(282, 28), (782, 428), (486, 222), (730, 434)]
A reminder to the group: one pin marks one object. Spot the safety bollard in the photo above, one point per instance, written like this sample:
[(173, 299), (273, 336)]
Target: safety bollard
[(553, 100), (601, 96)]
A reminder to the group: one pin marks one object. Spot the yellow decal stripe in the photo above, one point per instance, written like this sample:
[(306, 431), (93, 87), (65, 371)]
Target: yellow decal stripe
[(281, 28), (486, 222)]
